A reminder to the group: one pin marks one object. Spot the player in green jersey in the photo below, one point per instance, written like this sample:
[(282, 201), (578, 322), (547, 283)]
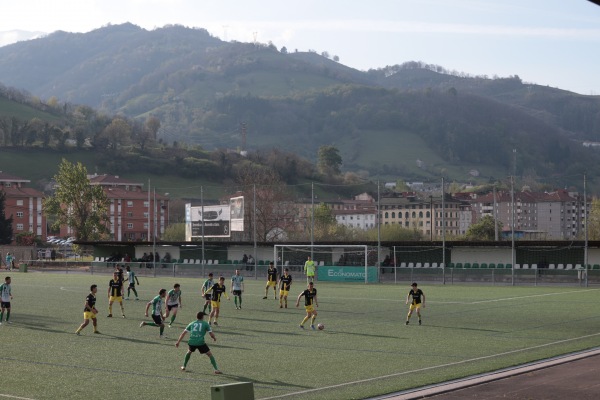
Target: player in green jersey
[(309, 270), (89, 310), (198, 329), (205, 286), (5, 298), (133, 279), (174, 302), (157, 316), (237, 288)]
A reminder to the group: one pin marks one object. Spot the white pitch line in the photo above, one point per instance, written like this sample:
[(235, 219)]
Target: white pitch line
[(14, 397), (452, 364)]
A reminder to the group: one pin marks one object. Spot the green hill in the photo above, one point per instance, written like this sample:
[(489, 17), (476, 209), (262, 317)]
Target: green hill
[(412, 120)]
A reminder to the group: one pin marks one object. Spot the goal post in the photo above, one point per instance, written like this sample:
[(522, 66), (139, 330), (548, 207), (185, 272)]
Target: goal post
[(336, 262)]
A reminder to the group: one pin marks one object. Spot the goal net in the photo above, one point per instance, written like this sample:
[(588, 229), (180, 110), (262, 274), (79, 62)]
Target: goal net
[(347, 263)]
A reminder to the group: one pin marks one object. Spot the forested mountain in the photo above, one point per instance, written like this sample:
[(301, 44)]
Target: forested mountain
[(410, 120)]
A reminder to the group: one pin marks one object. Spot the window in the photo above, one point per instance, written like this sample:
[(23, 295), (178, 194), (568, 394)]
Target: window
[(145, 225), (129, 214), (19, 214), (146, 214), (146, 204), (393, 215), (129, 225), (129, 203), (19, 227), (19, 202)]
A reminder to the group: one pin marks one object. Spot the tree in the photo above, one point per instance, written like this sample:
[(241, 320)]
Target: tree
[(6, 231), (330, 161), (484, 229), (273, 206), (336, 58), (117, 133), (78, 204), (325, 222), (174, 233), (594, 220)]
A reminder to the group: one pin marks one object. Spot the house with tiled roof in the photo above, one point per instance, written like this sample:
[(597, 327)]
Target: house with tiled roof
[(24, 204)]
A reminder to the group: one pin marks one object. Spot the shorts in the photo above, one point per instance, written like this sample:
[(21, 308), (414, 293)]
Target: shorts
[(5, 304), (415, 307), (309, 309), (203, 348), (271, 283), (118, 299), (157, 319), (172, 306), (237, 292), (89, 315), (283, 293), (215, 304), (207, 296), (131, 285)]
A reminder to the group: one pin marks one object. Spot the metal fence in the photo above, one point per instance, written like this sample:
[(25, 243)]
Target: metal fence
[(422, 273)]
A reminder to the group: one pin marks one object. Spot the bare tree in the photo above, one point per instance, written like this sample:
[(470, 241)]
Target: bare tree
[(273, 206)]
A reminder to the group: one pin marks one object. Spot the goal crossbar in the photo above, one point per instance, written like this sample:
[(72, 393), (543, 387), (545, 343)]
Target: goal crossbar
[(364, 248)]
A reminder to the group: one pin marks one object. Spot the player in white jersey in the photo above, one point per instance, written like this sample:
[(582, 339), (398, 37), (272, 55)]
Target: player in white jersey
[(173, 302), (5, 298), (237, 288)]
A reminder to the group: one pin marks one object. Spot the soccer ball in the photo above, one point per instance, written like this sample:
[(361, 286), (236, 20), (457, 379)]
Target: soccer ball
[(321, 327)]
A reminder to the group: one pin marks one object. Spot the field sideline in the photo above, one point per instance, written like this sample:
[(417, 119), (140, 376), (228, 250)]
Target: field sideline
[(364, 351)]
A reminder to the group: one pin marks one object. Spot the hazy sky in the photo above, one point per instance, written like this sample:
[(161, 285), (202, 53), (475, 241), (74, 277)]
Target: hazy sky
[(548, 42)]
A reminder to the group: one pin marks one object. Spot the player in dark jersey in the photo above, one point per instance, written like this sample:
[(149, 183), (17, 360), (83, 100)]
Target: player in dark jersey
[(216, 291), (416, 297), (115, 293), (271, 280), (89, 311), (285, 284), (310, 302)]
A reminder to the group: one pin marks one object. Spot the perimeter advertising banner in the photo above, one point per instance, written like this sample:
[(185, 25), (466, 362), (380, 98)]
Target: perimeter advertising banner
[(346, 274), (236, 205), (216, 221)]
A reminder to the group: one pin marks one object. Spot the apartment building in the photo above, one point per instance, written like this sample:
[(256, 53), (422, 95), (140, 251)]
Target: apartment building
[(24, 204), (555, 215), (426, 214), (134, 214)]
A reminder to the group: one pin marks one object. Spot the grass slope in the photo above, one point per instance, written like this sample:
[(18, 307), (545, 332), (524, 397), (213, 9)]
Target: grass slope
[(364, 351), (23, 112)]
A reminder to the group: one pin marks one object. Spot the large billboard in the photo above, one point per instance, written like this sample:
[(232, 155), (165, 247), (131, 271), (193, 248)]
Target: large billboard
[(237, 213), (213, 221)]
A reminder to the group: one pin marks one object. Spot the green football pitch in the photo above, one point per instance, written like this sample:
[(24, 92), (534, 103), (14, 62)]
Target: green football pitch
[(365, 350)]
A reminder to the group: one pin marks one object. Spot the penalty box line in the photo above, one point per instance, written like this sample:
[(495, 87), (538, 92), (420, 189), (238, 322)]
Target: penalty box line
[(452, 364)]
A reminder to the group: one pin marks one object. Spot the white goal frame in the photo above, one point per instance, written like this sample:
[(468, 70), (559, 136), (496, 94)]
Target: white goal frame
[(364, 247)]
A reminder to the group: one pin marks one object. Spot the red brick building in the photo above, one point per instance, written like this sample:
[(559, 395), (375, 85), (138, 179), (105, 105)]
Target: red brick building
[(133, 214), (24, 204)]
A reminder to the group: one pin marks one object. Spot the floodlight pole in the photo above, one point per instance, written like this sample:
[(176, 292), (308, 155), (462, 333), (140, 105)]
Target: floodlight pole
[(585, 221), (378, 228), (312, 220), (154, 236), (512, 229), (202, 219), (443, 232), (255, 257)]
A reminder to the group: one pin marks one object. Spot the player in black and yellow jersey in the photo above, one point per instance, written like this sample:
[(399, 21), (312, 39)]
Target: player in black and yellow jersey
[(418, 299), (285, 283), (271, 280), (115, 293), (216, 291), (310, 302), (89, 310)]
